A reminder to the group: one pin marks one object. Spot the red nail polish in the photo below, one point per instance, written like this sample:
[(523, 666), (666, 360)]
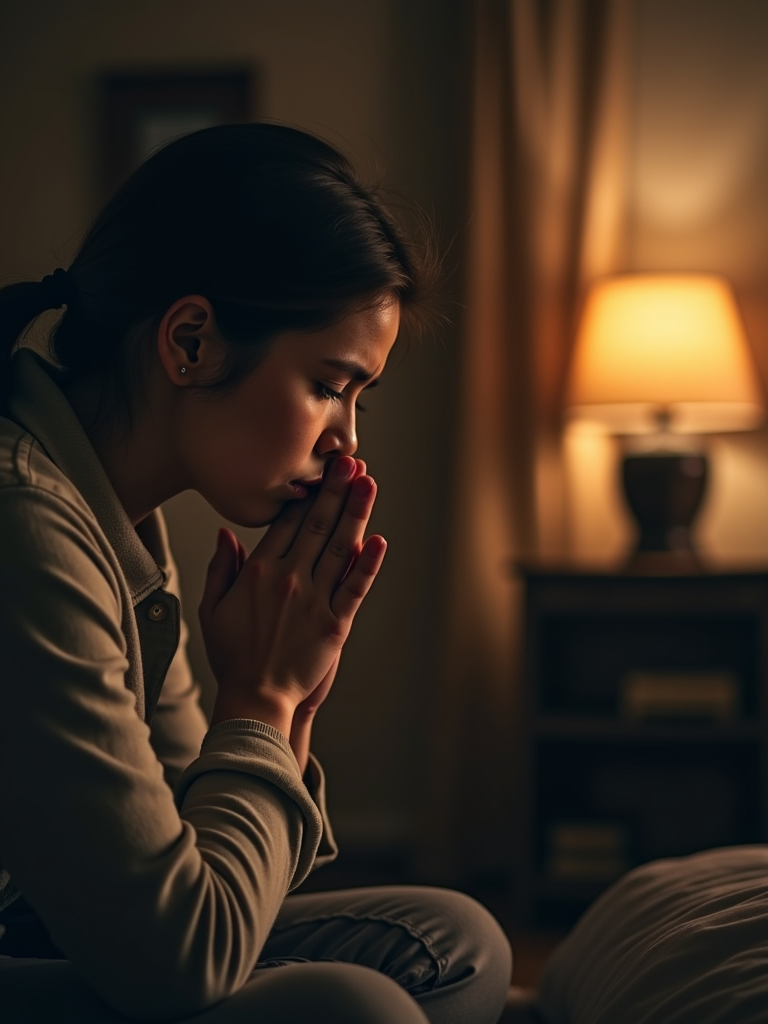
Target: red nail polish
[(343, 468), (376, 546), (363, 487)]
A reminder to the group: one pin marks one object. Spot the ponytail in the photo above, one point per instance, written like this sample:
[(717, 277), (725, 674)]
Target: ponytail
[(22, 303)]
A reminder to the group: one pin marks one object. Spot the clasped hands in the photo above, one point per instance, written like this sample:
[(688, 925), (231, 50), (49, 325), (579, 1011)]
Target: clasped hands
[(274, 622)]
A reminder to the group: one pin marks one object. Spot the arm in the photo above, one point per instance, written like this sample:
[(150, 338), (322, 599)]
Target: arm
[(163, 909)]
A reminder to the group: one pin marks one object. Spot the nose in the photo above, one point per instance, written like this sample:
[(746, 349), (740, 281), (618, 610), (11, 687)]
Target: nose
[(340, 438)]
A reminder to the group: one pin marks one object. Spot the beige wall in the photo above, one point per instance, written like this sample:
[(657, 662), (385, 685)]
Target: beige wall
[(380, 79), (697, 201)]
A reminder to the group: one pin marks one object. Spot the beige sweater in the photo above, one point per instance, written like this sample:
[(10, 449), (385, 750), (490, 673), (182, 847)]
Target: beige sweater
[(161, 901)]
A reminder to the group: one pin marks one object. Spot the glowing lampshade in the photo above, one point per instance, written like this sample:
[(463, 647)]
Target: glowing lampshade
[(663, 350), (663, 353)]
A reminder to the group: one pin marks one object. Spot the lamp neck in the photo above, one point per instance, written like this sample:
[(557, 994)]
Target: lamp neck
[(663, 417)]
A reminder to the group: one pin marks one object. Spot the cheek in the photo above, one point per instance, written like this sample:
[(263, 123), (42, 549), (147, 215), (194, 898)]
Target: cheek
[(301, 434), (283, 427)]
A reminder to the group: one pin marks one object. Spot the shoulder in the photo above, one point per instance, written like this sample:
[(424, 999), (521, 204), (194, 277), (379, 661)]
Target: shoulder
[(26, 468), (45, 522)]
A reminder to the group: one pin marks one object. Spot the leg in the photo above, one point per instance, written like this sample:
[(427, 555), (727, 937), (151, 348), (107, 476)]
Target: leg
[(50, 990), (442, 947)]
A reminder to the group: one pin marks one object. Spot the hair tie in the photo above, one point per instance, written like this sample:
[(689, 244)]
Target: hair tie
[(57, 289)]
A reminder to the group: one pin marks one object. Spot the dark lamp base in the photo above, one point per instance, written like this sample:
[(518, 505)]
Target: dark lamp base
[(664, 491)]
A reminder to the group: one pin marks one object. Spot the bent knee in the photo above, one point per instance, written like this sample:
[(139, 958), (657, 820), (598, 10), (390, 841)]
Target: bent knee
[(333, 993), (477, 937)]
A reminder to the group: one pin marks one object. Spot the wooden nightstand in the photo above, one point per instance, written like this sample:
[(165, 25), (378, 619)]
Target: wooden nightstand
[(643, 729)]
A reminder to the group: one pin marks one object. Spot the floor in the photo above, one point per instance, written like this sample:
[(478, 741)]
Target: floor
[(531, 950), (531, 947)]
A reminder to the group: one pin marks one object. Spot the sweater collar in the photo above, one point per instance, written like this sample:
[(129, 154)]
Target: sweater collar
[(39, 405)]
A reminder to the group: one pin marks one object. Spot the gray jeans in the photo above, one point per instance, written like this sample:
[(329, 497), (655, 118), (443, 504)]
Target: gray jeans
[(385, 955)]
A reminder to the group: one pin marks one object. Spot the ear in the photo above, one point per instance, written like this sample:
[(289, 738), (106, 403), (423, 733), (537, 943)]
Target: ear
[(188, 341)]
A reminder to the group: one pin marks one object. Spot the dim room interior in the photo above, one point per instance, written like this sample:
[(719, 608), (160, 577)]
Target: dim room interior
[(530, 694)]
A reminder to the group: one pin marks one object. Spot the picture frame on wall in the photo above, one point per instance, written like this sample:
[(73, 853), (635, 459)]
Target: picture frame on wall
[(142, 110)]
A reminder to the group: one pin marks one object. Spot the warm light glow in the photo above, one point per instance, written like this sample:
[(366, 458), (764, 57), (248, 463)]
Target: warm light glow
[(663, 343)]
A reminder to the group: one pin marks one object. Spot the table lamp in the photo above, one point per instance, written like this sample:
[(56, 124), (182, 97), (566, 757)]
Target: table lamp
[(658, 359)]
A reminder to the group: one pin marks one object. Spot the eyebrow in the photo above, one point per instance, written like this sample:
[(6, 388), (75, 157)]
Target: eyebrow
[(353, 370)]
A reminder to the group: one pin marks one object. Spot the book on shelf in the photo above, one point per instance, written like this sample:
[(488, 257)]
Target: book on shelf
[(680, 697), (593, 851)]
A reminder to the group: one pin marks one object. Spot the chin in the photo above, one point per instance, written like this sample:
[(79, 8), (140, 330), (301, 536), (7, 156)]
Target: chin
[(251, 519), (253, 522)]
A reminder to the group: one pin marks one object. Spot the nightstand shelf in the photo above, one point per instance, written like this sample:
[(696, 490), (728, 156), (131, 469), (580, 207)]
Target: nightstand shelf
[(642, 729), (605, 730)]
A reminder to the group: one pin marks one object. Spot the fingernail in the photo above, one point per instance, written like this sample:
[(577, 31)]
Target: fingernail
[(363, 487), (342, 469), (376, 546)]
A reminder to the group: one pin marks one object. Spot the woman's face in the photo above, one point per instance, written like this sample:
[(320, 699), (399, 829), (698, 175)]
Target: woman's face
[(250, 450)]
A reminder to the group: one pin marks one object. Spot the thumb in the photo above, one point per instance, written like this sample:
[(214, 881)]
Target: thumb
[(222, 571)]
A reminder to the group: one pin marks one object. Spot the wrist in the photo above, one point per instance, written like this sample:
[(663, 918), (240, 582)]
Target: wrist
[(272, 710), (300, 738), (304, 715)]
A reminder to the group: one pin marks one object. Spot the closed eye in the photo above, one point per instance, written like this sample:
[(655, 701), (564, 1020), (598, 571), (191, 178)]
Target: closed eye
[(330, 395)]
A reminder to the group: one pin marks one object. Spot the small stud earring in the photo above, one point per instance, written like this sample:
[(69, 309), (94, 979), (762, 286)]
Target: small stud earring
[(183, 369)]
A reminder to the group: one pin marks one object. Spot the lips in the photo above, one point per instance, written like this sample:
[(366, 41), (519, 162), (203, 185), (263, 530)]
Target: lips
[(301, 488)]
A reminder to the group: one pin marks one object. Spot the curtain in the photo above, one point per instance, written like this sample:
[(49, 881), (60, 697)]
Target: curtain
[(549, 113)]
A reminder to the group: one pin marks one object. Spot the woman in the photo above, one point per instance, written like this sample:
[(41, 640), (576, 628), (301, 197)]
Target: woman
[(222, 318)]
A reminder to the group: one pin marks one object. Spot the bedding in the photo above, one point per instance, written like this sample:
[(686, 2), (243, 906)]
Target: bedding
[(676, 941)]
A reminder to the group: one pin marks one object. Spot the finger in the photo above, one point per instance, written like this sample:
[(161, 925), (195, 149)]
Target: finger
[(353, 588), (242, 555), (223, 569), (346, 542), (321, 519), (281, 533)]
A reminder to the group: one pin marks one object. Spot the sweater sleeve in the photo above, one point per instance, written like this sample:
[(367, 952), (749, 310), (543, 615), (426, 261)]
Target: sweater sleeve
[(178, 724), (163, 908)]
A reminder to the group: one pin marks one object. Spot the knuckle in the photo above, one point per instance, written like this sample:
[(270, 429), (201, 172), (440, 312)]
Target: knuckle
[(336, 629), (357, 589), (341, 549), (318, 525), (367, 574), (290, 584)]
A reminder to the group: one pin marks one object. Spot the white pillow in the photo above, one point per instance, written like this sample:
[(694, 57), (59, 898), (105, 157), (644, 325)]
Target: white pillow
[(679, 941)]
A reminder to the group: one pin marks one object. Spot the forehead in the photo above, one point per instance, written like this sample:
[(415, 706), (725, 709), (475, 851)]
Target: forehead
[(359, 344), (371, 331)]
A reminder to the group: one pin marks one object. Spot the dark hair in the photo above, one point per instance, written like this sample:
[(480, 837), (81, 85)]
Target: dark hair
[(269, 223)]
